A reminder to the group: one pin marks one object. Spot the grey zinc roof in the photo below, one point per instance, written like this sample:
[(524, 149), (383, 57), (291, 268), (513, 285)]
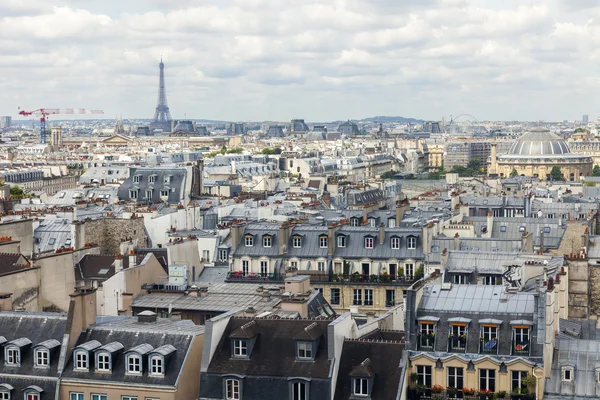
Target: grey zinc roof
[(141, 349), (91, 345), (175, 186), (131, 324), (52, 234), (584, 355), (20, 342), (512, 228), (476, 299), (49, 344), (112, 347), (165, 350)]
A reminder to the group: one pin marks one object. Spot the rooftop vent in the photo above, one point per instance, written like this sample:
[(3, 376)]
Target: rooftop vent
[(147, 317)]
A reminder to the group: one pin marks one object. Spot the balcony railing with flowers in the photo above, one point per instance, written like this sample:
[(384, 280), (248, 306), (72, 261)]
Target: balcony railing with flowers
[(238, 276), (439, 392), (425, 341), (457, 343), (373, 278)]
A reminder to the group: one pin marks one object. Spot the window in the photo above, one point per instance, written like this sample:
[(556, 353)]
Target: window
[(134, 364), (460, 279), (305, 350), (368, 243), (489, 280), (335, 296), (4, 395), (156, 365), (133, 194), (164, 193), (354, 222), (489, 335), (77, 396), (361, 387), (245, 269), (521, 337), (42, 358), (487, 379), (13, 356), (390, 298), (391, 222), (222, 255), (249, 240), (152, 179), (32, 396), (267, 241), (456, 377), (521, 229), (103, 363), (357, 299), (395, 243), (52, 241), (149, 194), (341, 241), (321, 265), (264, 268), (232, 389), (297, 242), (368, 297), (503, 228), (240, 348), (458, 330), (323, 242), (136, 179), (517, 378), (409, 270), (81, 360), (567, 374), (547, 229), (299, 391), (411, 242), (167, 179), (424, 375), (129, 398), (99, 397)]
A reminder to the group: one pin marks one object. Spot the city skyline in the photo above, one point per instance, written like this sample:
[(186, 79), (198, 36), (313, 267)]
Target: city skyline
[(276, 60)]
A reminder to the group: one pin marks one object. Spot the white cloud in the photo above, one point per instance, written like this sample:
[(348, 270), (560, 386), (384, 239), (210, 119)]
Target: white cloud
[(316, 59)]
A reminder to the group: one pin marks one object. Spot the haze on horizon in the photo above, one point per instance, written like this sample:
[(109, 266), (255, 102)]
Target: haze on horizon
[(318, 60)]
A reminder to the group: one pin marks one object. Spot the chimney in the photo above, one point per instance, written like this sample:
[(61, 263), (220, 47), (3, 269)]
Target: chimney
[(400, 210), (126, 301), (82, 313), (454, 201), (331, 239), (147, 317), (365, 220), (381, 234), (527, 242), (6, 302), (78, 234), (542, 241), (456, 241), (203, 291), (132, 258), (585, 238), (236, 235), (118, 262), (490, 224), (444, 258), (284, 238)]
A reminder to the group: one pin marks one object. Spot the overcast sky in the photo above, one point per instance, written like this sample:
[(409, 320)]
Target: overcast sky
[(319, 60)]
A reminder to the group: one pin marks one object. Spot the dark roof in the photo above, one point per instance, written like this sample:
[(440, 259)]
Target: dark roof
[(377, 334), (132, 334), (35, 327), (311, 332), (274, 352), (19, 384), (369, 358), (95, 267), (10, 263), (246, 331), (161, 255)]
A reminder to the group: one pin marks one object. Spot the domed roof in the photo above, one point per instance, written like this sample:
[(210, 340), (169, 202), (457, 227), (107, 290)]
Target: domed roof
[(539, 142)]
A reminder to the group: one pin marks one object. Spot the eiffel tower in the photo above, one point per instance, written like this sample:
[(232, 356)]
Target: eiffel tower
[(162, 115)]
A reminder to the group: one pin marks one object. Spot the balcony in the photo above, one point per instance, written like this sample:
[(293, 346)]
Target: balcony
[(372, 279), (251, 277), (450, 393), (488, 346), (521, 348), (425, 341), (457, 344)]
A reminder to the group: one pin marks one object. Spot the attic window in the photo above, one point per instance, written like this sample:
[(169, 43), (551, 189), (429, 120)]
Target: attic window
[(323, 241), (546, 229), (13, 356), (369, 242), (103, 271), (305, 351), (297, 242), (134, 364), (567, 374), (42, 358), (411, 242), (267, 241), (249, 240), (156, 365), (240, 348), (360, 387), (503, 228), (52, 241), (521, 229)]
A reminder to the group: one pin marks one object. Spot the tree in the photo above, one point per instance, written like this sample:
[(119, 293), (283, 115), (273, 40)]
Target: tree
[(596, 170), (389, 174), (267, 151), (474, 164), (556, 174), (16, 191), (513, 173)]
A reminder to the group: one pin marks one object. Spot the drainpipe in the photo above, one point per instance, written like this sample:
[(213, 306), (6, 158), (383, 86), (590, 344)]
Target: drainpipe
[(537, 378)]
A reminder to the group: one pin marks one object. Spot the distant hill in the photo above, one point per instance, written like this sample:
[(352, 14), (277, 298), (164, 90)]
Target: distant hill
[(392, 119)]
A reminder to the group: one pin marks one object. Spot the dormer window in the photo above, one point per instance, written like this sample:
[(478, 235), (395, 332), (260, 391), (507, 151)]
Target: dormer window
[(360, 387), (32, 392), (341, 241), (249, 240), (136, 179), (13, 356), (156, 365), (568, 373), (103, 362), (5, 390), (134, 364), (305, 350), (521, 339), (395, 242), (42, 358), (81, 360), (354, 222), (297, 242), (362, 378), (323, 241), (152, 179), (411, 242), (369, 242), (267, 241), (240, 348)]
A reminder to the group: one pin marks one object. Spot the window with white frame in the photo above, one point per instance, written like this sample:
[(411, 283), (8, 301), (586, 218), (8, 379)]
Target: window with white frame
[(297, 242), (133, 194), (267, 241), (4, 395), (321, 265), (411, 242), (77, 396), (32, 395), (341, 241), (42, 358), (424, 375), (391, 222), (456, 377), (567, 374), (103, 362), (245, 267), (167, 179), (136, 179), (487, 379), (81, 359), (223, 255), (149, 194), (409, 270), (395, 243), (300, 391), (232, 389), (134, 364), (368, 243), (240, 348), (368, 297), (357, 299), (361, 387), (264, 268), (164, 193), (249, 240), (372, 222), (129, 398), (156, 365), (305, 351), (152, 179), (323, 242), (99, 397), (354, 222)]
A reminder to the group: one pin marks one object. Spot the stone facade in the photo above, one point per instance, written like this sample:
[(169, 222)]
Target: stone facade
[(108, 233), (580, 293)]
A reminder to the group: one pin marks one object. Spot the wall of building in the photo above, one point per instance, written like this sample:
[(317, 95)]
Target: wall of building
[(579, 288), (185, 253), (22, 231), (57, 277), (347, 296), (114, 391), (108, 233), (24, 285), (189, 380)]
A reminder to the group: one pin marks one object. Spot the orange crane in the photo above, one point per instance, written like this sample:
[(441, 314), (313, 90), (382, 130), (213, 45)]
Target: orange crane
[(44, 112)]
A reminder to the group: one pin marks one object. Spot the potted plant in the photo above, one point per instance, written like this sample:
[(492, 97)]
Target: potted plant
[(468, 393), (529, 392), (502, 394), (452, 391), (412, 390), (437, 391), (400, 272), (483, 394)]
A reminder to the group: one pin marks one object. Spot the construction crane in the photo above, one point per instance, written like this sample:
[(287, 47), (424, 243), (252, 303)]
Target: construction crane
[(44, 112)]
